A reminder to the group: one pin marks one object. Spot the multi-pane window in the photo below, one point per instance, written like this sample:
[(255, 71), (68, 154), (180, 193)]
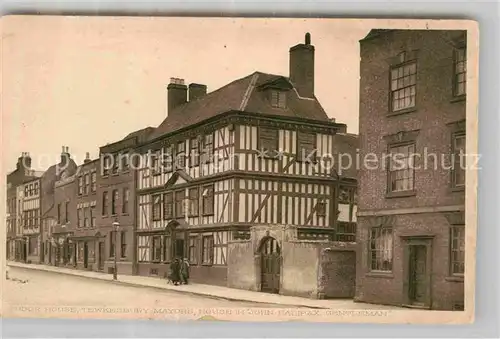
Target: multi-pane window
[(36, 188), (403, 86), (94, 182), (181, 155), (167, 159), (458, 170), (26, 190), (125, 200), (92, 216), (125, 161), (208, 200), (79, 217), (106, 165), (207, 257), (278, 99), (168, 206), (156, 255), (401, 168), (86, 217), (193, 201), (346, 231), (123, 244), (380, 251), (86, 184), (268, 141), (457, 250), (193, 248), (208, 148), (66, 212), (155, 163), (104, 203), (156, 207), (195, 152), (80, 185), (114, 202), (116, 163), (460, 72), (306, 145), (179, 203)]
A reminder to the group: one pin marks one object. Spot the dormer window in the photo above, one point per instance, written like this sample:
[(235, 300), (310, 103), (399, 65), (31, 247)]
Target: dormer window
[(278, 98)]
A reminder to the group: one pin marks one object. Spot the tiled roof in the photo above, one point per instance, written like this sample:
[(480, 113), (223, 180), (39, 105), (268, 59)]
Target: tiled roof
[(346, 143), (244, 95), (142, 133)]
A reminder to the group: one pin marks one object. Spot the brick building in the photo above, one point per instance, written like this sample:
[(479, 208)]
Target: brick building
[(411, 228), (116, 179), (225, 181)]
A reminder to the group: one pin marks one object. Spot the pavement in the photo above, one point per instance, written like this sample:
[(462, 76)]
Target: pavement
[(209, 291)]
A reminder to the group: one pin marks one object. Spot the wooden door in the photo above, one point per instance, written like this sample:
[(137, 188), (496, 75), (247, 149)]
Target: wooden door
[(101, 256), (270, 266), (418, 274), (85, 255)]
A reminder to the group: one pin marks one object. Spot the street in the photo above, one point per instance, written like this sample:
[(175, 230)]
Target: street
[(40, 288)]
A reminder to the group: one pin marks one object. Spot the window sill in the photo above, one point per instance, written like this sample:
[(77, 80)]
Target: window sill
[(455, 278), (125, 214), (459, 98), (206, 264), (404, 194), (457, 189), (403, 111), (381, 274)]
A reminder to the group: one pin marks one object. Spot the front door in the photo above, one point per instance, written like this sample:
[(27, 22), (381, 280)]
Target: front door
[(418, 275), (270, 265), (101, 256), (85, 254), (179, 248)]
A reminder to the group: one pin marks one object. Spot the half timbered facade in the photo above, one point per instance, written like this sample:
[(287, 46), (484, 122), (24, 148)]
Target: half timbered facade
[(236, 179)]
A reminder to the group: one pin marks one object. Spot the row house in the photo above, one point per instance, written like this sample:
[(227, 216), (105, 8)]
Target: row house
[(242, 181), (411, 218), (115, 201), (16, 240)]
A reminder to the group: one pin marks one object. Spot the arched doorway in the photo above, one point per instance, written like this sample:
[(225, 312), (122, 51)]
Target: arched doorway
[(270, 265)]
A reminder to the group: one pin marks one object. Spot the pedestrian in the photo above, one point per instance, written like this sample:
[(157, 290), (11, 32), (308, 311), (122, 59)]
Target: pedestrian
[(174, 271), (185, 271)]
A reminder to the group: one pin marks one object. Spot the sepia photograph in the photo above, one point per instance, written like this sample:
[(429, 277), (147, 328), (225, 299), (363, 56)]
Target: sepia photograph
[(239, 169)]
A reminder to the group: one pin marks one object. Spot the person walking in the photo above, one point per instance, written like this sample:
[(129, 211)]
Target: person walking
[(174, 275), (184, 271)]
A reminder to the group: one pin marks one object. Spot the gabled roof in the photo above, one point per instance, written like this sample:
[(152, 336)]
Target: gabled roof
[(247, 95)]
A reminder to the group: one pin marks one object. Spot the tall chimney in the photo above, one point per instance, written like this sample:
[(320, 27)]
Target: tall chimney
[(24, 161), (65, 155), (196, 91), (302, 67), (87, 158), (177, 93)]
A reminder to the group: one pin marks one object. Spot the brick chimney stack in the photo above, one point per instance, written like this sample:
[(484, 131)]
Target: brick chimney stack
[(177, 94), (302, 67), (87, 158), (196, 91), (24, 161), (65, 156)]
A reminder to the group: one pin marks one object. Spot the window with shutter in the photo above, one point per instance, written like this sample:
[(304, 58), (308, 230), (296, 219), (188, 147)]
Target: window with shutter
[(306, 146), (268, 141)]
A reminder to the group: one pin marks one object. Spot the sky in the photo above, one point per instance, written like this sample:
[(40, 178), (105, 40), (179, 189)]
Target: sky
[(83, 82)]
